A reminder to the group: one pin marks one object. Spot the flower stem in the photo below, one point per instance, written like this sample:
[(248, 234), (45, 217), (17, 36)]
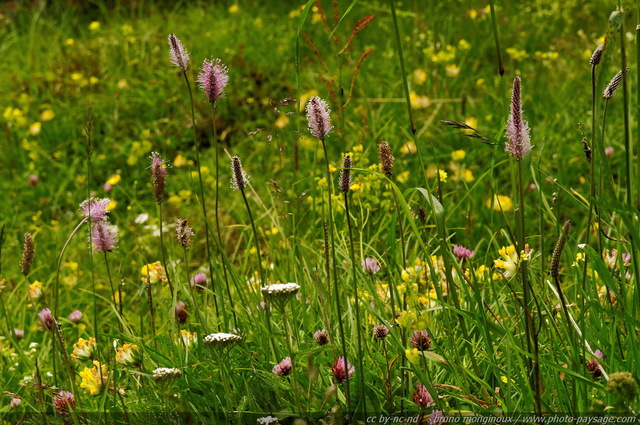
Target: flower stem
[(196, 147), (361, 390)]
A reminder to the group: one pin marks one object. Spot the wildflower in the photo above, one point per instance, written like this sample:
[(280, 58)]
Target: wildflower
[(128, 354), (280, 290), (35, 290), (46, 319), (500, 203), (104, 237), (597, 55), (510, 260), (35, 128), (418, 102), (268, 420), (165, 373), (463, 253), (608, 151), (94, 26), (622, 386), (458, 155), (422, 397), (413, 355), (159, 175), (611, 88), (370, 265), (47, 115), (318, 117), (518, 139), (177, 52), (94, 379), (341, 372), (283, 368), (27, 254), (63, 402), (75, 316), (346, 180), (15, 402), (380, 332), (199, 281), (221, 339), (386, 159), (593, 366), (421, 340), (321, 337), (419, 76), (452, 70), (180, 312), (213, 78), (436, 418), (184, 233), (154, 273), (240, 179), (33, 180), (188, 338), (84, 349), (18, 333), (557, 250), (95, 209)]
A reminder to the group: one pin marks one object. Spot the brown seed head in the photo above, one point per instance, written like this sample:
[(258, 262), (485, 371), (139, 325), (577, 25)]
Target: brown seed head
[(386, 159), (346, 179), (28, 251)]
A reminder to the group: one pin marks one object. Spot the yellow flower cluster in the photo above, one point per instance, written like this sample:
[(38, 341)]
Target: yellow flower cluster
[(95, 378), (154, 273), (83, 349)]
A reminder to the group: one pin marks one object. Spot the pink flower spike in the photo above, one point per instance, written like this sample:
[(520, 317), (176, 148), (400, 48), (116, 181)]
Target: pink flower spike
[(95, 209), (370, 265), (462, 252), (518, 139), (341, 372), (318, 118), (177, 52), (213, 78), (104, 237), (599, 354)]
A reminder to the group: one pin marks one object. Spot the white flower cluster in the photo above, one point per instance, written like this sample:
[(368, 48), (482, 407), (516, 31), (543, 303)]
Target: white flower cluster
[(164, 373), (221, 338), (268, 420), (280, 290)]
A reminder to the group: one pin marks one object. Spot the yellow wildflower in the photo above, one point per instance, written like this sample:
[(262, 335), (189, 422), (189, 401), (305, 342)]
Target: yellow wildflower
[(122, 84), (516, 54), (128, 354), (94, 26), (282, 121), (180, 161), (234, 8), (77, 76), (83, 349), (500, 203), (154, 273), (452, 70), (413, 355), (69, 42), (188, 338), (406, 318), (35, 290), (419, 77), (47, 115), (403, 177), (418, 102), (115, 179), (458, 155), (93, 379), (467, 175), (443, 175), (464, 45), (408, 147), (510, 260)]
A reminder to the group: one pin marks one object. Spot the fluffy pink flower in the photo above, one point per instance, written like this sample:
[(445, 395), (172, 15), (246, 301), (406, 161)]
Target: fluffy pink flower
[(422, 397), (104, 237), (180, 312), (321, 337), (318, 117), (46, 319), (518, 139), (341, 372), (213, 78), (199, 281), (177, 52), (18, 333), (75, 316), (95, 209), (283, 368), (63, 401), (462, 252), (370, 265)]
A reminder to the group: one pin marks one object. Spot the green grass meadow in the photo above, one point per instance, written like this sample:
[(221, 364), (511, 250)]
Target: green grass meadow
[(539, 317)]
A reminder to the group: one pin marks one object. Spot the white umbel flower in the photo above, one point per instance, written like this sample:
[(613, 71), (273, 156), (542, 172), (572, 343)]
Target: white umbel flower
[(221, 339), (280, 290), (165, 373)]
